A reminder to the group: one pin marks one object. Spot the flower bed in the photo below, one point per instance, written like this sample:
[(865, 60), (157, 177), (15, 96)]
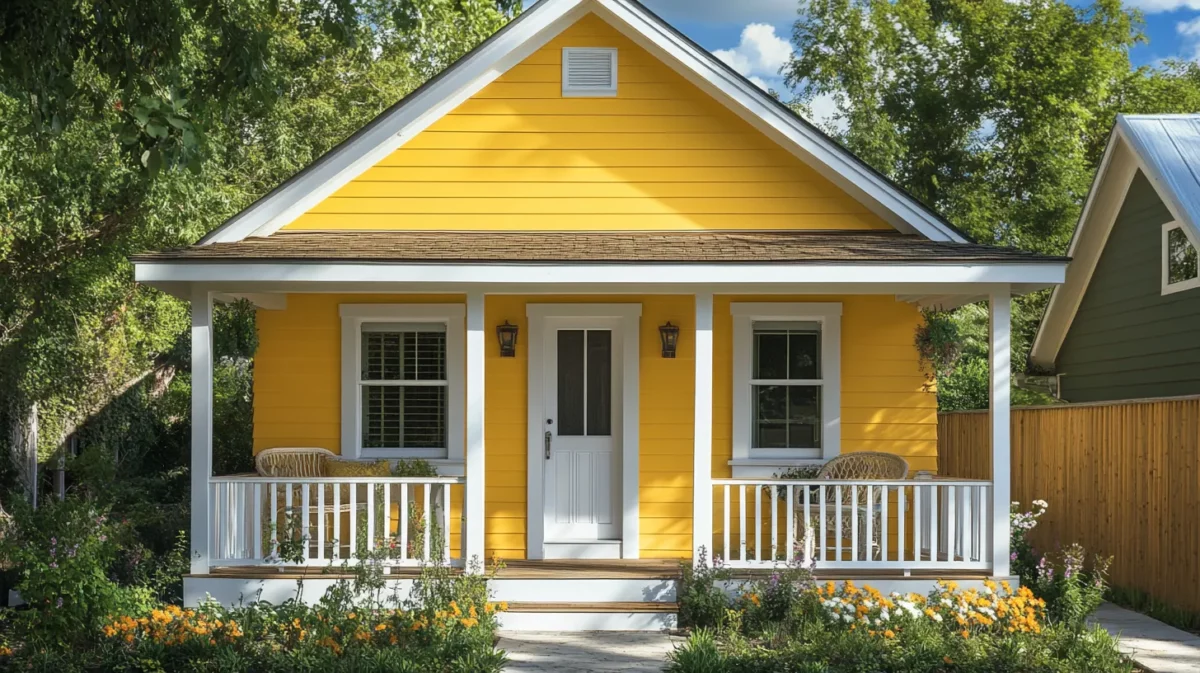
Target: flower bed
[(786, 622)]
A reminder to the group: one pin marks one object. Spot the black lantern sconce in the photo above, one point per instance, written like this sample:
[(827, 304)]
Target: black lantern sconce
[(507, 335), (670, 339)]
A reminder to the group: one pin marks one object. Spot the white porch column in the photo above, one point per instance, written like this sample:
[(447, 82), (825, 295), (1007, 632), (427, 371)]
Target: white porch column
[(202, 425), (473, 501), (999, 362), (702, 496)]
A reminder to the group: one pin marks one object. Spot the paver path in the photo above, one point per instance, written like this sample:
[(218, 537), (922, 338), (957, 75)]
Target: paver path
[(599, 651), (1152, 644)]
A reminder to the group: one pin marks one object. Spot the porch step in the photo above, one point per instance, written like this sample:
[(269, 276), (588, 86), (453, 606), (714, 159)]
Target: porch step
[(590, 616)]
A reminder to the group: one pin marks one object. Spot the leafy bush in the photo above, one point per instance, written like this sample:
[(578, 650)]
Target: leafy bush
[(852, 630), (702, 600), (64, 555), (1071, 593)]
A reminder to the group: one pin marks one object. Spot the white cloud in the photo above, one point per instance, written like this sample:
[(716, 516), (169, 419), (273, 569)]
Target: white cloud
[(760, 83), (761, 52), (1190, 31), (1156, 6), (725, 11)]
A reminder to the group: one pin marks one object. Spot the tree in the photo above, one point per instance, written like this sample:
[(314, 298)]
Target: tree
[(104, 103), (992, 112)]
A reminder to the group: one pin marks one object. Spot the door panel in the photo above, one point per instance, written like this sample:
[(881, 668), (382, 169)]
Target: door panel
[(581, 494)]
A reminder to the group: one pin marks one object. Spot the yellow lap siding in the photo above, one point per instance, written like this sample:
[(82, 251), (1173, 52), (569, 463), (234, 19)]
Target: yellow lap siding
[(660, 155)]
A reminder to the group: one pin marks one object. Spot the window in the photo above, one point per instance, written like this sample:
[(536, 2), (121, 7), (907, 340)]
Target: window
[(589, 72), (787, 400), (402, 380), (1181, 268)]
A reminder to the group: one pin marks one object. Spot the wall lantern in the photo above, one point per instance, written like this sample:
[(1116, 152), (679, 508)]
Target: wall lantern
[(670, 339), (507, 335)]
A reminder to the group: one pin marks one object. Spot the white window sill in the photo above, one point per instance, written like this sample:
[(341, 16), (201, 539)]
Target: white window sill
[(766, 468)]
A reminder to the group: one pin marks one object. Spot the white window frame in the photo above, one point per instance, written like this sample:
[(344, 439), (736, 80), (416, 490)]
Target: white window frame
[(453, 316), (587, 92), (1170, 288), (747, 460)]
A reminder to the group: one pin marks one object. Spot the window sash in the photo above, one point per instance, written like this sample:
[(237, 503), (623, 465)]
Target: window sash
[(398, 423)]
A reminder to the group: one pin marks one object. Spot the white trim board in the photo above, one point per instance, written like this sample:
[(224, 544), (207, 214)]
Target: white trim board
[(513, 275), (1125, 154), (629, 316), (533, 29)]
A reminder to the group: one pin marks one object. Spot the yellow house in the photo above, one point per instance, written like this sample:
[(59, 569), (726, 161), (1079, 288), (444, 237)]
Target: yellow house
[(613, 292)]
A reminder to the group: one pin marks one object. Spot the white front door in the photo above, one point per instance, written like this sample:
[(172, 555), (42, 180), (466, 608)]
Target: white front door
[(581, 429)]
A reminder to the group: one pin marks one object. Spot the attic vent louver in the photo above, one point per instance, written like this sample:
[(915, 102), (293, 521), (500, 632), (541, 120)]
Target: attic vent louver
[(589, 72)]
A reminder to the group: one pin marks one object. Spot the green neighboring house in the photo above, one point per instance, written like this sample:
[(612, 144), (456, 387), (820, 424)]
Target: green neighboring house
[(1126, 324)]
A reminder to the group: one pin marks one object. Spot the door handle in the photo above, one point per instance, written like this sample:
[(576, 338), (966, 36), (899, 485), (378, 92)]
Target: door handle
[(548, 436)]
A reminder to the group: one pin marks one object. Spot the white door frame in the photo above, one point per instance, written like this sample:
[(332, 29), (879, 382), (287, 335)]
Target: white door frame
[(630, 319)]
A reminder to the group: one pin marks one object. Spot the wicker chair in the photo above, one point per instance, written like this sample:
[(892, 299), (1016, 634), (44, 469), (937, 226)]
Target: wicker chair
[(859, 466), (292, 462)]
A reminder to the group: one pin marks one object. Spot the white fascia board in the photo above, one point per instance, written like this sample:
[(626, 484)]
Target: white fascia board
[(1104, 200), (601, 274), (351, 159), (757, 107)]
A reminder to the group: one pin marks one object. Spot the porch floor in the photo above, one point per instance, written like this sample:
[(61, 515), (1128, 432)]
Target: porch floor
[(582, 569)]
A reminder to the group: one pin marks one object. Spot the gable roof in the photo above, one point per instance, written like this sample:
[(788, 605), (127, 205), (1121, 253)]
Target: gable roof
[(524, 35), (1166, 149)]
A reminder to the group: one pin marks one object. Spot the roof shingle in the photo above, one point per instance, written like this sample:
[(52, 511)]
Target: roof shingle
[(596, 247)]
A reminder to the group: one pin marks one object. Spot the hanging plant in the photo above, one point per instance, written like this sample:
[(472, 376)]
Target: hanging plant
[(938, 344)]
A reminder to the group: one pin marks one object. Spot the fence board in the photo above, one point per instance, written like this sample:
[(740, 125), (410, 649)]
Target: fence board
[(1122, 479)]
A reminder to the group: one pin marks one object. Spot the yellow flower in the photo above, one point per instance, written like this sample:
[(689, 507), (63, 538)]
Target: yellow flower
[(503, 606), (966, 634), (889, 634), (380, 627), (947, 660), (351, 616)]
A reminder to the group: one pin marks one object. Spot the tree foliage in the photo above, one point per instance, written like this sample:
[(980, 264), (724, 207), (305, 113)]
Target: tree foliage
[(992, 112), (105, 103)]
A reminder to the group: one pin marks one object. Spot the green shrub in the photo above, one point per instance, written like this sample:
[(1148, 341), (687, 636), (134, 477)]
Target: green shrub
[(1071, 594), (702, 600)]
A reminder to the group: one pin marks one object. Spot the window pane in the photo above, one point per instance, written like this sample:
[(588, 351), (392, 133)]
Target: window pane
[(409, 417), (599, 383), (770, 354), (804, 355), (570, 382), (786, 417), (1181, 257), (403, 356)]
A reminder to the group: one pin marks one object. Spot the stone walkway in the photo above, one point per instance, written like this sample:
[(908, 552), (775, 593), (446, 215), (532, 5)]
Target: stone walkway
[(587, 651), (1155, 646)]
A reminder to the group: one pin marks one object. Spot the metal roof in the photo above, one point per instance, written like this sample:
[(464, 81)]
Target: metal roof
[(1169, 148)]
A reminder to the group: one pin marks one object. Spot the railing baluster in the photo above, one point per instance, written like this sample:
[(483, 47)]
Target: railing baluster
[(869, 521), (320, 522), (901, 512), (883, 522), (917, 525), (370, 515), (758, 521), (446, 522), (951, 496), (426, 518), (933, 523), (258, 533), (791, 523), (337, 521), (838, 540), (404, 522), (821, 498), (352, 551), (306, 534), (968, 528), (728, 524), (274, 518), (387, 514), (773, 500), (742, 522)]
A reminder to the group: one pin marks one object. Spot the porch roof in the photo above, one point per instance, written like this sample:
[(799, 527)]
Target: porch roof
[(793, 247)]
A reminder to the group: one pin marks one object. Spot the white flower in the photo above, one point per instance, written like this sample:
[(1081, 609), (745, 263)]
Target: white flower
[(848, 618), (937, 617)]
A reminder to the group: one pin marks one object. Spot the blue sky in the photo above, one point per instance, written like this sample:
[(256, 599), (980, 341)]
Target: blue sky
[(752, 35)]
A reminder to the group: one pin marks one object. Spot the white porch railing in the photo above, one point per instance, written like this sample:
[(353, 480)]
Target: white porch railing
[(912, 524), (327, 520)]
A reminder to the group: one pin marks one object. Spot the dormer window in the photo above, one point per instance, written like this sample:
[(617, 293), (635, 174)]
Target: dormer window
[(589, 72)]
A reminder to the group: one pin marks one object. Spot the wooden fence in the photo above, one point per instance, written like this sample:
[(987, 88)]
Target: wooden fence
[(1122, 479)]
